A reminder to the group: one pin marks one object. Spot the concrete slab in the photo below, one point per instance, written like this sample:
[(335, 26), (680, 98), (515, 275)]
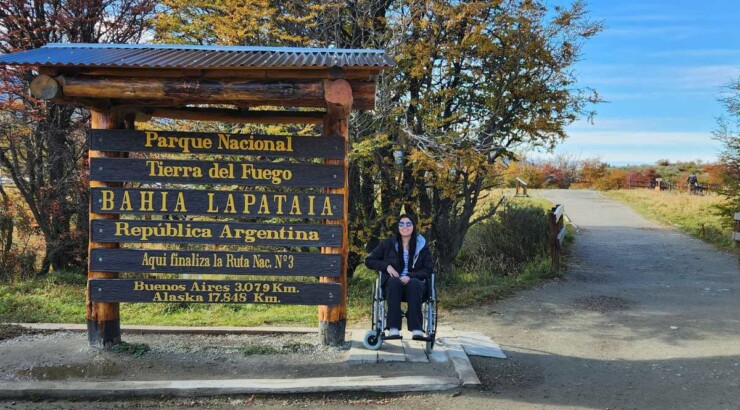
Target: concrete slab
[(462, 364), (190, 388), (478, 344), (391, 351), (358, 354), (415, 351), (439, 353)]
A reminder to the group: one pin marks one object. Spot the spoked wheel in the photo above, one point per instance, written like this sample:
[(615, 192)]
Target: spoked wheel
[(372, 340)]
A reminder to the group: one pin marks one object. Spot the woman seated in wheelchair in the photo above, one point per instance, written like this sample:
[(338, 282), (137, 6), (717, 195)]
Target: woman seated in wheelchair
[(405, 262)]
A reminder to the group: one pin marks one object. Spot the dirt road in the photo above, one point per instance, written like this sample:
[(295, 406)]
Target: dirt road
[(646, 318)]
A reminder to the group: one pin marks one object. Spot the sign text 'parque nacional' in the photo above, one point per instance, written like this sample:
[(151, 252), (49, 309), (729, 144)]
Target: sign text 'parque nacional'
[(215, 262), (217, 143), (280, 174), (214, 291), (253, 204)]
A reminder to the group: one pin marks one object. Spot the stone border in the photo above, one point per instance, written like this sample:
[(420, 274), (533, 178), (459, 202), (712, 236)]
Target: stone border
[(192, 388)]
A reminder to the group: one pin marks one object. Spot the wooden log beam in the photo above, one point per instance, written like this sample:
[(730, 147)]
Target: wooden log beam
[(203, 91), (103, 319), (338, 99), (233, 116), (45, 87)]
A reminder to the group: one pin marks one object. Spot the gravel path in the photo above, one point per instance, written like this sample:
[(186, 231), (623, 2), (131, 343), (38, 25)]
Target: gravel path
[(646, 318)]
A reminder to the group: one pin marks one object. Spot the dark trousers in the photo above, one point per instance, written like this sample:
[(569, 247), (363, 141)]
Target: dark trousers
[(413, 294)]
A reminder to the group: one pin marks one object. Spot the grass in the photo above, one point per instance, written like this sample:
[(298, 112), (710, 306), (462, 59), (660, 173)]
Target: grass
[(134, 349), (692, 214)]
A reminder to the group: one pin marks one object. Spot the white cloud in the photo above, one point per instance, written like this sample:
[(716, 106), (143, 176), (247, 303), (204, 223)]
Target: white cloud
[(639, 138), (706, 79)]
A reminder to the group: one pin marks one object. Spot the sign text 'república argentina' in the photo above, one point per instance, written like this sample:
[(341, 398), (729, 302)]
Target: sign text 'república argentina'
[(222, 233)]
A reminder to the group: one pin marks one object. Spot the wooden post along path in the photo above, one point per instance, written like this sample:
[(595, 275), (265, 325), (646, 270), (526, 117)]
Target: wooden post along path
[(191, 193), (521, 187), (557, 234)]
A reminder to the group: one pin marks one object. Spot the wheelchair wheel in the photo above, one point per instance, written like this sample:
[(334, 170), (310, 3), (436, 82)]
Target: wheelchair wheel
[(429, 344), (372, 340)]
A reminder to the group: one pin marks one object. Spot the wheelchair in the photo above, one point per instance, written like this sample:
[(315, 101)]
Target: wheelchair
[(374, 337)]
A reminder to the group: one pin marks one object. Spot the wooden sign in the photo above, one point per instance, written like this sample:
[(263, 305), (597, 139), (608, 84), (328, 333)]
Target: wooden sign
[(216, 172), (217, 143), (215, 262), (227, 233), (213, 291), (253, 204)]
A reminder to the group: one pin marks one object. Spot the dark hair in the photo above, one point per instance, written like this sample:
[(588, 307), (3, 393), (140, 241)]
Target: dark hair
[(412, 241)]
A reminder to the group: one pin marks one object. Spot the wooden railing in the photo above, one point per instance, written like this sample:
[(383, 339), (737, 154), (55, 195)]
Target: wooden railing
[(736, 234), (557, 234)]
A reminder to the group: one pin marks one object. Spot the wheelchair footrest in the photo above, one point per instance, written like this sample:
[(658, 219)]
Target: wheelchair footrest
[(422, 338), (389, 337)]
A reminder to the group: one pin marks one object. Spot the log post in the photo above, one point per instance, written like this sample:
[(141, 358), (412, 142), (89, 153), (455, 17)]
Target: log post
[(333, 319), (103, 319)]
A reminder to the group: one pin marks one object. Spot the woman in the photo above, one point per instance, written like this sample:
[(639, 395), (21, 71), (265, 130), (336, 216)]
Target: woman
[(405, 262)]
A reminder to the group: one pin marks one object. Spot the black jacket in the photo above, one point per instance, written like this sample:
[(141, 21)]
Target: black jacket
[(386, 253)]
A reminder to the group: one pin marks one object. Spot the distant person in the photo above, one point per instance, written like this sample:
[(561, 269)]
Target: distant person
[(405, 263), (692, 181)]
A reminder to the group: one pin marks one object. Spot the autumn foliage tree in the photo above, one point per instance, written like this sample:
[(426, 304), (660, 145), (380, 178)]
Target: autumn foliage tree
[(728, 134), (473, 81), (476, 80), (41, 142)]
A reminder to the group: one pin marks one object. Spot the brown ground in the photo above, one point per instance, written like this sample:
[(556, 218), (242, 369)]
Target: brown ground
[(646, 318)]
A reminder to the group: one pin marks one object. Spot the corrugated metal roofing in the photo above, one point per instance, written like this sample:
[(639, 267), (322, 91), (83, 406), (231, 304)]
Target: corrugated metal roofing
[(194, 57)]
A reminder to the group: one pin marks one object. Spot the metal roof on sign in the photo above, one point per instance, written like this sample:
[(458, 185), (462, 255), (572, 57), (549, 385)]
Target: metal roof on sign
[(194, 57)]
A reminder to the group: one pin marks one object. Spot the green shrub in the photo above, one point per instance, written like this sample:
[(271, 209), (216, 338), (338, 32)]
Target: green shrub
[(506, 243)]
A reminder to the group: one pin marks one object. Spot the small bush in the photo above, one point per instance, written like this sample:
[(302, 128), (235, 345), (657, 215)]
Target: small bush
[(504, 244)]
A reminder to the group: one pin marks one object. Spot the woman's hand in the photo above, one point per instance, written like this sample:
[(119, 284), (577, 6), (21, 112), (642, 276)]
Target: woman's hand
[(392, 271), (405, 279)]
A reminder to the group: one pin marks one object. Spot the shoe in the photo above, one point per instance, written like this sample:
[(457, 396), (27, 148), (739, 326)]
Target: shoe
[(393, 334), (417, 335)]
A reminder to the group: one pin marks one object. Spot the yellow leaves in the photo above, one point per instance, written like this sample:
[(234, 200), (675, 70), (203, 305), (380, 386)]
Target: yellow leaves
[(228, 22)]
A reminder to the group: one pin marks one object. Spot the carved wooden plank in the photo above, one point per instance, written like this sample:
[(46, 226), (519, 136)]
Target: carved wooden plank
[(215, 262), (217, 143), (215, 172), (252, 204), (226, 233), (213, 291)]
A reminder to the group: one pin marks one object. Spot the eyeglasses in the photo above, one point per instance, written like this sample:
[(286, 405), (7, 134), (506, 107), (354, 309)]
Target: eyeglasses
[(406, 224)]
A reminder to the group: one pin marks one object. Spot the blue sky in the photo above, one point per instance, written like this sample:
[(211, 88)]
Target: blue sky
[(661, 65)]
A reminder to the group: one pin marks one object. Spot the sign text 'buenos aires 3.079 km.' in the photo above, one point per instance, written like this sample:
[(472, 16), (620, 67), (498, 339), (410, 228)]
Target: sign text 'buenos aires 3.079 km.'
[(178, 205)]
